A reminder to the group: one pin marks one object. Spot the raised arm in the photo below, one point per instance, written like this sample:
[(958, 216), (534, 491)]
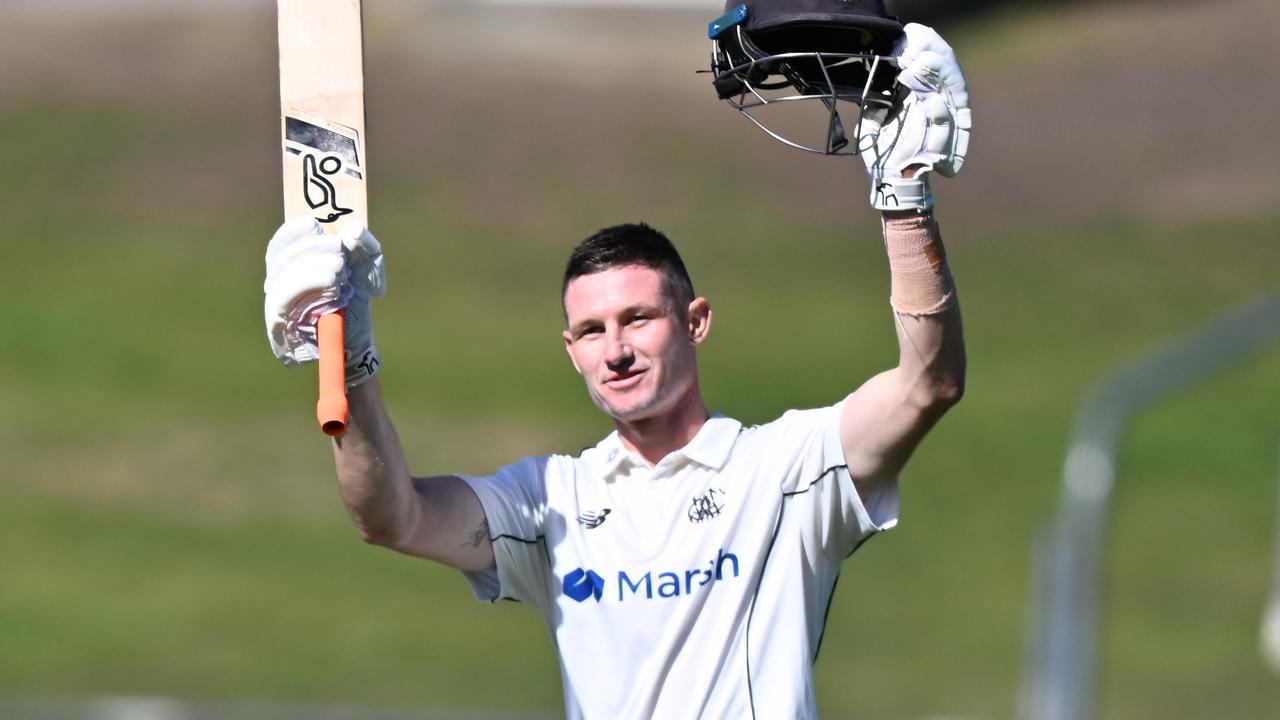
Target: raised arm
[(309, 273), (438, 518), (887, 417), (928, 131)]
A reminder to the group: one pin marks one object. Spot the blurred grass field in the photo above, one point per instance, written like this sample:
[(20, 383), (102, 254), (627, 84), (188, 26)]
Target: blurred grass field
[(170, 522)]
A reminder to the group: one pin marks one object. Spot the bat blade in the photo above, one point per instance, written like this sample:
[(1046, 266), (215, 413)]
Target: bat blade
[(323, 156), (322, 110)]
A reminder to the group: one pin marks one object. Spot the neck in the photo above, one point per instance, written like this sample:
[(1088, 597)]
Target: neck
[(656, 437)]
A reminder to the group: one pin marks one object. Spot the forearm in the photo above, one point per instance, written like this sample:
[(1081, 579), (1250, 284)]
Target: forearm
[(373, 474), (885, 419), (438, 518), (931, 364)]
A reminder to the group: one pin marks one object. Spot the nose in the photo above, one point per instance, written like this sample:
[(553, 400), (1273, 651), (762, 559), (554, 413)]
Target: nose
[(618, 355)]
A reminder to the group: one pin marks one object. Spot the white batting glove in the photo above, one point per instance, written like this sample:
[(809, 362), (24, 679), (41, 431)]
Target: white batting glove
[(929, 130), (309, 274)]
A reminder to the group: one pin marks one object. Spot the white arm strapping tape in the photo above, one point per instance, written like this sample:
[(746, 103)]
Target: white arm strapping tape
[(921, 281)]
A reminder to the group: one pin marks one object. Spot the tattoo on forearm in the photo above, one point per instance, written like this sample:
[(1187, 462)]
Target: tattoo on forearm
[(477, 536)]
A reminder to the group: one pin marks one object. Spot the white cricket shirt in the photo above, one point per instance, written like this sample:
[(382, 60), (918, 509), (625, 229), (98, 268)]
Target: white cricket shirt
[(697, 588)]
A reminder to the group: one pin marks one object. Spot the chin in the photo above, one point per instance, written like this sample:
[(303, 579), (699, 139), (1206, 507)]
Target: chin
[(626, 409), (629, 412)]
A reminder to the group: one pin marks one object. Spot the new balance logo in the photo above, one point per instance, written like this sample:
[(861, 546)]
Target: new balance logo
[(582, 584), (591, 520)]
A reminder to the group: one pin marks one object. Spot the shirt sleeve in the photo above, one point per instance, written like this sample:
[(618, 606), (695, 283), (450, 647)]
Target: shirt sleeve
[(515, 505), (835, 516)]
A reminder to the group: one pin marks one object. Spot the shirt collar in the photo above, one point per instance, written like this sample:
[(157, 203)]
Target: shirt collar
[(709, 448), (611, 454)]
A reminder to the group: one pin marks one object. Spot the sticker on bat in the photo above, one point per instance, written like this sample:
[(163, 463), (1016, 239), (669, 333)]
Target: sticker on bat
[(319, 190), (326, 156)]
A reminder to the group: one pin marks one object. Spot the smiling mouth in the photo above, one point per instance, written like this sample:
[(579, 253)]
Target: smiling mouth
[(623, 380)]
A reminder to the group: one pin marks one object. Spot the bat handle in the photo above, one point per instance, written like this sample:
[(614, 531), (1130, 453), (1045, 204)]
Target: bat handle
[(331, 408)]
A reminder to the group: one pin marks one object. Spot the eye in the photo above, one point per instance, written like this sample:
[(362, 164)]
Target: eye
[(590, 331), (638, 319)]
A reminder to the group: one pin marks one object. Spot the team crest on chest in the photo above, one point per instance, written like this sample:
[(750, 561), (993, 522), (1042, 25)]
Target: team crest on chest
[(706, 506)]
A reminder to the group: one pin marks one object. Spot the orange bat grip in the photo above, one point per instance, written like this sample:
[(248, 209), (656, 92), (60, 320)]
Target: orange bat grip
[(331, 408)]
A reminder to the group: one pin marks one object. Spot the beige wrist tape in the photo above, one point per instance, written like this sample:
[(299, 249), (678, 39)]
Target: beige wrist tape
[(921, 281)]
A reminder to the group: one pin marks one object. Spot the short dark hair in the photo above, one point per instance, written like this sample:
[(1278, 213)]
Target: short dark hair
[(631, 244)]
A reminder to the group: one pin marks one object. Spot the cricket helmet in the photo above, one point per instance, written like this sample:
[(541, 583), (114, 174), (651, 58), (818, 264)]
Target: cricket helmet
[(826, 52)]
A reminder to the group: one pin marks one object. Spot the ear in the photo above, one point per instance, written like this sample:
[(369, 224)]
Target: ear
[(699, 319), (568, 347)]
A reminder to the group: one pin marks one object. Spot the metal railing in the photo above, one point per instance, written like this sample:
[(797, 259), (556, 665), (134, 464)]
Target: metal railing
[(1062, 652)]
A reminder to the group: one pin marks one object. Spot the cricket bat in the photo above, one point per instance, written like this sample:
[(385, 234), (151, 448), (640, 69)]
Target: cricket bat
[(323, 148)]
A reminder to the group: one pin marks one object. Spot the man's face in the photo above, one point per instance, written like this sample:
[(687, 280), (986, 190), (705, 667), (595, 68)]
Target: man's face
[(634, 348)]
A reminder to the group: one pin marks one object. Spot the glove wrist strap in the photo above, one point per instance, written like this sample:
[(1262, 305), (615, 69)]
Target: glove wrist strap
[(362, 366), (899, 193)]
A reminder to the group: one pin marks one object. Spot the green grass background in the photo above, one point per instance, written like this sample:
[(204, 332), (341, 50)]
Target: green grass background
[(169, 521)]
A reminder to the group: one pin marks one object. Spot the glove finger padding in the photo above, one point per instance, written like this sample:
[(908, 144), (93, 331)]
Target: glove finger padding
[(310, 273), (290, 234), (364, 256), (297, 294), (919, 42), (927, 131), (938, 133), (929, 67)]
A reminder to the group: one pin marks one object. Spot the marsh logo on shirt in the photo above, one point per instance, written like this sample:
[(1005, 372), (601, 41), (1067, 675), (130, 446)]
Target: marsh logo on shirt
[(581, 584)]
